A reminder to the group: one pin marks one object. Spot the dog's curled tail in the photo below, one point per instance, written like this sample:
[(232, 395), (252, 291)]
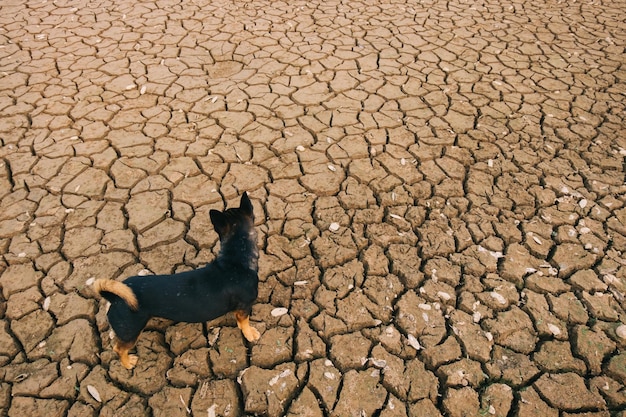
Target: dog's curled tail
[(117, 288)]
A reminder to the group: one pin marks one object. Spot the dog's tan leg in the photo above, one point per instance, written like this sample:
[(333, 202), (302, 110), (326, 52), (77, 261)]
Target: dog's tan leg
[(122, 348), (243, 322)]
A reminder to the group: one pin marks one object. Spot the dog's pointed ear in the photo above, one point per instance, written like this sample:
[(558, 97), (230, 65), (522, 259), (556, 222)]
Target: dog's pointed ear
[(219, 221), (246, 204)]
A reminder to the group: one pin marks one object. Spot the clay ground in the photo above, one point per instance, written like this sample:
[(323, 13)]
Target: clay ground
[(439, 190)]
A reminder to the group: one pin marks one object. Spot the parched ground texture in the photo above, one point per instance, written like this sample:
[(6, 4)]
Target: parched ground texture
[(439, 189)]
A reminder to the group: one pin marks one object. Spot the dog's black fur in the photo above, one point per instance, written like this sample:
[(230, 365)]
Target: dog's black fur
[(229, 283)]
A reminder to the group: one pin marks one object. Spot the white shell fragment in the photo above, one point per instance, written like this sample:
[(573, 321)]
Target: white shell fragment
[(280, 311), (583, 203), (378, 363), (182, 401), (621, 331), (333, 227), (498, 297), (94, 393), (443, 295), (332, 168), (46, 304), (477, 316), (413, 342), (283, 374), (495, 254), (300, 148), (90, 281), (554, 329)]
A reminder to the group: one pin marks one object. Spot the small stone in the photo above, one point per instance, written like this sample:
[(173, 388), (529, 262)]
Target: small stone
[(498, 297), (280, 311), (94, 393), (554, 329), (621, 331)]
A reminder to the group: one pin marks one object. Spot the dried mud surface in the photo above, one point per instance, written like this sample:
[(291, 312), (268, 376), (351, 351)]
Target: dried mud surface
[(439, 188)]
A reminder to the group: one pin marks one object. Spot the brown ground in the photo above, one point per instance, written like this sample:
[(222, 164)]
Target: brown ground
[(439, 188)]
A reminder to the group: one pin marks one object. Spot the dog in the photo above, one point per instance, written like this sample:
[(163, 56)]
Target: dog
[(228, 284)]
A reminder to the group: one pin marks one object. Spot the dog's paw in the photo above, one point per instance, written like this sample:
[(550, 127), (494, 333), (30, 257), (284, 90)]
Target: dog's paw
[(130, 362), (251, 334)]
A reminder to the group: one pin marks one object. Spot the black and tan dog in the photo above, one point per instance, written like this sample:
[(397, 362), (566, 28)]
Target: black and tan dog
[(229, 283)]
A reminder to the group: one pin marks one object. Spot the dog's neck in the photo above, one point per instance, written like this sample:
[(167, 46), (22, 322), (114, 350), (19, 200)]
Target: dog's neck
[(241, 248)]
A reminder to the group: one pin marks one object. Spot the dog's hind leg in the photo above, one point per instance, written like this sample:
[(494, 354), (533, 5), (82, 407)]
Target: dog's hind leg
[(122, 348), (243, 322)]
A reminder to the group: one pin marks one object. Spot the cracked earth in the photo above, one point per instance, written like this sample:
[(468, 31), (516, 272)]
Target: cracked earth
[(439, 190)]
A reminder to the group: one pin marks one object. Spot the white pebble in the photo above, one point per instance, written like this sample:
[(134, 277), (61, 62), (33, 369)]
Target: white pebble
[(378, 363), (332, 167), (554, 329), (299, 148), (94, 393), (283, 374), (333, 227), (280, 311), (498, 297), (621, 331), (90, 281), (46, 304), (424, 306), (476, 317), (609, 279), (583, 203), (413, 342), (443, 295)]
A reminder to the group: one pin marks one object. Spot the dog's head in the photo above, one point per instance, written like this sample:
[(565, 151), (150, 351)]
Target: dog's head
[(234, 221)]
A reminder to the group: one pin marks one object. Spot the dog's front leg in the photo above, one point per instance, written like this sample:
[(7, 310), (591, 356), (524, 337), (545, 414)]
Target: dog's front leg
[(243, 322), (122, 348)]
